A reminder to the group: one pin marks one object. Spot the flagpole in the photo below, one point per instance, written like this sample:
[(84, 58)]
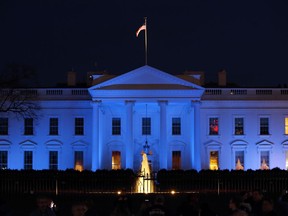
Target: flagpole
[(146, 50)]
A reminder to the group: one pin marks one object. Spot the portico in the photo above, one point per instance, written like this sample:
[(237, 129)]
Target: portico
[(143, 104)]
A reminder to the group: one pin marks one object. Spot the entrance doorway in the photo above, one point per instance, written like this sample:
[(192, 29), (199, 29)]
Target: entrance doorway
[(116, 160), (176, 160), (214, 160)]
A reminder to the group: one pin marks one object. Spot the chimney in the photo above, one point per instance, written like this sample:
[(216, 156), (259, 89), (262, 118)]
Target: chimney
[(71, 78), (222, 78)]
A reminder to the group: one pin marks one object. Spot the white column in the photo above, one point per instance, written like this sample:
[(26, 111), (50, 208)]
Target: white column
[(95, 135), (197, 145), (129, 135), (163, 154)]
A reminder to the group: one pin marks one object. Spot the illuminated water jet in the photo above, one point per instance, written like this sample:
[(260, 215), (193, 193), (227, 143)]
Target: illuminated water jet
[(145, 183)]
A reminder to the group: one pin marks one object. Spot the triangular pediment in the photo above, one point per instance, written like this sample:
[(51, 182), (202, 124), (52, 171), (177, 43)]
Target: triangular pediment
[(148, 77), (264, 143), (146, 81)]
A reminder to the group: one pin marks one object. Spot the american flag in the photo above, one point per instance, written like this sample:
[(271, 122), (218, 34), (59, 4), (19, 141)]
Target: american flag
[(143, 27)]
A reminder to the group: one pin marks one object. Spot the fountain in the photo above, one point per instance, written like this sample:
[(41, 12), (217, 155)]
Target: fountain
[(264, 165), (239, 165), (145, 182)]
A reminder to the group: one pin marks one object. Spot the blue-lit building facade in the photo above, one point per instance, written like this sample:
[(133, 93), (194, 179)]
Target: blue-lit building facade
[(184, 126)]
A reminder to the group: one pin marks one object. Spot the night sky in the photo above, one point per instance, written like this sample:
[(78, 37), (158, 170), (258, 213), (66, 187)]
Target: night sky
[(248, 38)]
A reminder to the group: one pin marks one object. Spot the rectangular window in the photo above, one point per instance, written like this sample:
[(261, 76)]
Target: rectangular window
[(286, 125), (264, 160), (78, 160), (146, 126), (116, 160), (3, 160), (214, 160), (176, 160), (239, 160), (53, 160), (28, 126), (53, 129), (3, 126), (264, 126), (176, 126), (28, 160), (239, 126), (79, 126), (213, 126), (116, 126)]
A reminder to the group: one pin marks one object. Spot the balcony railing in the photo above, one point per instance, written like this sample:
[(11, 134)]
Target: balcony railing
[(210, 93), (245, 94), (50, 93)]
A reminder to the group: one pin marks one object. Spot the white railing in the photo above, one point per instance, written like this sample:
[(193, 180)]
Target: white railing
[(63, 93), (209, 94), (246, 93)]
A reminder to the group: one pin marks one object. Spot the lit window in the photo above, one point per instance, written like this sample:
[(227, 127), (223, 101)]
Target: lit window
[(214, 160), (176, 126), (213, 126), (53, 160), (286, 125), (78, 160), (79, 126), (28, 126), (176, 160), (116, 160), (3, 126), (239, 126), (53, 129), (28, 160), (3, 160), (264, 126), (239, 160), (146, 126), (116, 126), (264, 160)]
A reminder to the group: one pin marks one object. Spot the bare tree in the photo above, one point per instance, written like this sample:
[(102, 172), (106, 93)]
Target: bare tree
[(15, 97)]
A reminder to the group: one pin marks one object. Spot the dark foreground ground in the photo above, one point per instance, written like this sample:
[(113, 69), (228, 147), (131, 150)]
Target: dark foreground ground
[(104, 203)]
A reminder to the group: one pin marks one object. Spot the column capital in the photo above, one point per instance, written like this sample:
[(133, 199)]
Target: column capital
[(195, 102), (96, 102), (162, 102), (129, 102)]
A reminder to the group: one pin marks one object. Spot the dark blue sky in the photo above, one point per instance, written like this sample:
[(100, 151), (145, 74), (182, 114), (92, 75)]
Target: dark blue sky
[(247, 38)]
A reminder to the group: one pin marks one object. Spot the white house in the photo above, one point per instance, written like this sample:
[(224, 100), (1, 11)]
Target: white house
[(179, 124)]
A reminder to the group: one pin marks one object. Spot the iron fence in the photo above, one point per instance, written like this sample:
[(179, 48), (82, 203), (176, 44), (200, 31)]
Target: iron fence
[(107, 181), (223, 181)]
